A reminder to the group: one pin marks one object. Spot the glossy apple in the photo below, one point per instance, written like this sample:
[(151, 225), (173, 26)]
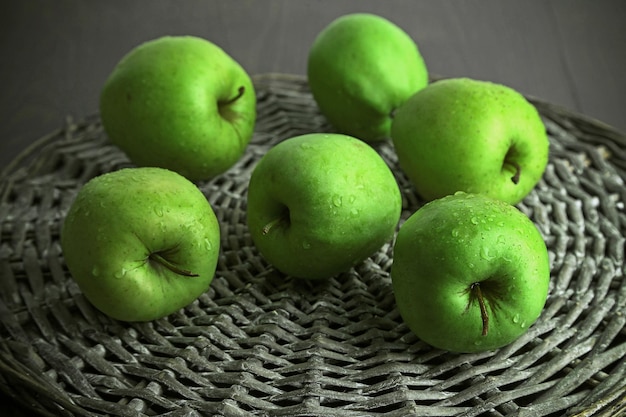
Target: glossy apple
[(181, 103), (320, 203), (467, 135), (360, 68), (470, 273), (141, 243)]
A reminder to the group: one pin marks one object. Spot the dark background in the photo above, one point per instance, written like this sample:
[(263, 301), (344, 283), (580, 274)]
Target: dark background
[(56, 54)]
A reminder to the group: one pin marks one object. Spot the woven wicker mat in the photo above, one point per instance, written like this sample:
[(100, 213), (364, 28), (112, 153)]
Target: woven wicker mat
[(261, 344)]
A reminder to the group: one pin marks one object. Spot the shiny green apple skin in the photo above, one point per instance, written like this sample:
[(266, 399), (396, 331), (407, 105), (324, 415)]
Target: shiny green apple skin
[(141, 243), (360, 68), (474, 136), (318, 204), (181, 103), (454, 247)]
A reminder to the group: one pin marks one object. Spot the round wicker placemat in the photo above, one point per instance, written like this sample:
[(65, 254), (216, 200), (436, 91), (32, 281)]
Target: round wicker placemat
[(261, 344)]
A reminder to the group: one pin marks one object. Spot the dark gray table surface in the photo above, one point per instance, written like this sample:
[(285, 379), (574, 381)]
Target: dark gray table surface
[(56, 54)]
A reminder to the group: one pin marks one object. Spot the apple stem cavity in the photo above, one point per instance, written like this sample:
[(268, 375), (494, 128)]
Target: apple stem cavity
[(477, 294), (160, 259)]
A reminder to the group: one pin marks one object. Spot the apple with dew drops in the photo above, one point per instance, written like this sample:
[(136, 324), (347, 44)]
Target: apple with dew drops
[(318, 204), (141, 243), (361, 67), (474, 136), (181, 103), (470, 273)]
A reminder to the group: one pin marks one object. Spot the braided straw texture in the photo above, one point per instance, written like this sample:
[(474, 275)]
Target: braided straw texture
[(262, 344)]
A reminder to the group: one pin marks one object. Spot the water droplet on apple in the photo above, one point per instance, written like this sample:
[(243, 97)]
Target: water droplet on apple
[(120, 274), (306, 245), (158, 211), (95, 271), (522, 325), (484, 253), (337, 200), (516, 318), (354, 211), (208, 245), (474, 220), (455, 232)]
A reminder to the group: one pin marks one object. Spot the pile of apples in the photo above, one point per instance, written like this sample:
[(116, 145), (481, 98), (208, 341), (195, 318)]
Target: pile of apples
[(470, 271)]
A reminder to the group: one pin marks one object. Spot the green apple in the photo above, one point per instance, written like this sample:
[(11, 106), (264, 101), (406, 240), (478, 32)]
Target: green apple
[(320, 203), (361, 67), (141, 243), (181, 103), (467, 135), (470, 273)]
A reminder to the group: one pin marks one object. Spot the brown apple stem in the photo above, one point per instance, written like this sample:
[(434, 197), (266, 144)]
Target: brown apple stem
[(268, 227), (240, 92), (483, 308), (157, 257), (518, 171)]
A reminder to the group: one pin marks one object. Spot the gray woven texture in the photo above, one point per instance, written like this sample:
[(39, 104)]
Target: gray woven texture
[(262, 344)]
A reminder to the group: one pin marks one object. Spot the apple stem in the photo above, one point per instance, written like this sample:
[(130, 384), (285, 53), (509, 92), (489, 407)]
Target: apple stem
[(172, 267), (518, 170), (268, 227), (240, 92), (475, 287)]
